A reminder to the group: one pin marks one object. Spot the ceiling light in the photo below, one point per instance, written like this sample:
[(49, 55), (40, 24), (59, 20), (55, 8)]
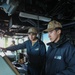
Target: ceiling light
[(35, 17)]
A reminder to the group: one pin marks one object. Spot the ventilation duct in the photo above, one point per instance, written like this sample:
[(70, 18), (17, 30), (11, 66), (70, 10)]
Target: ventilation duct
[(9, 6)]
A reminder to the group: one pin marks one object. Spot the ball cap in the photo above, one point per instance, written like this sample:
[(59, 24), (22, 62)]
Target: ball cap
[(53, 25), (32, 30)]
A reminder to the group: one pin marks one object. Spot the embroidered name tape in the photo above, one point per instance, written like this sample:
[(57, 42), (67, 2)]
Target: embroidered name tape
[(57, 57)]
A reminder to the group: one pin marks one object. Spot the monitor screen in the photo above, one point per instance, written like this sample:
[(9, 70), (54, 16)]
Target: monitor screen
[(6, 67)]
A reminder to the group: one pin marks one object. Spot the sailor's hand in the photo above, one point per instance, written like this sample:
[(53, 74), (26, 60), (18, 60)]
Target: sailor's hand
[(3, 48)]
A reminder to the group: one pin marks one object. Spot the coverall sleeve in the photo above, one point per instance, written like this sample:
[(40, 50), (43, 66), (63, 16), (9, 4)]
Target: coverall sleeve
[(70, 63), (43, 53), (43, 58), (16, 47), (43, 50)]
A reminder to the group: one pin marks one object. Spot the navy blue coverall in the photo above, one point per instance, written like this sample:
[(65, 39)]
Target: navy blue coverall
[(60, 58), (36, 55)]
